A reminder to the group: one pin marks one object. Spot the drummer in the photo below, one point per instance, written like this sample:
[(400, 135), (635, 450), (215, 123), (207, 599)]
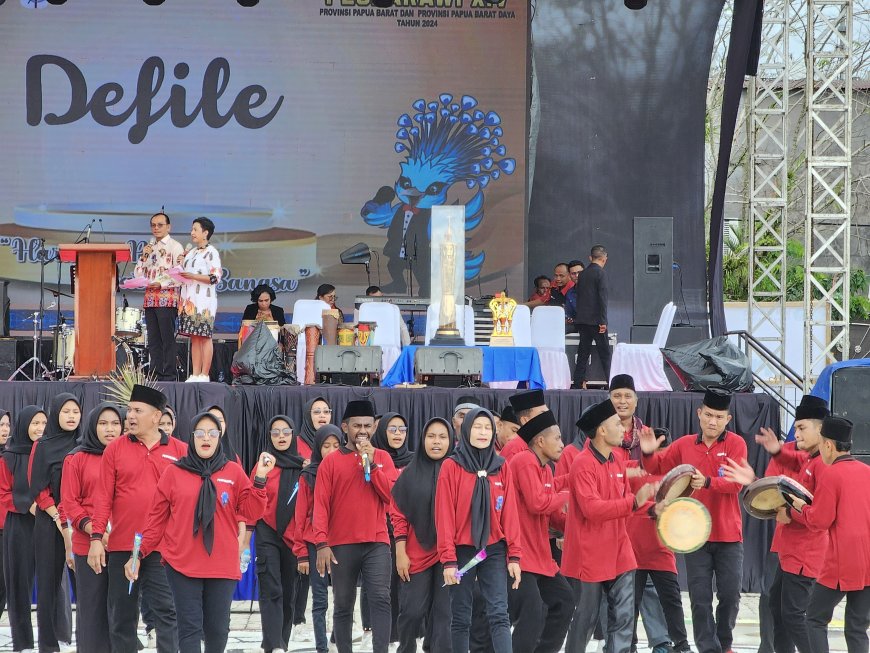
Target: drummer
[(722, 555), (841, 507), (800, 550)]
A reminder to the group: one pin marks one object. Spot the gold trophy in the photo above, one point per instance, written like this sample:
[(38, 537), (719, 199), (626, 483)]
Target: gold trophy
[(502, 308), (447, 333)]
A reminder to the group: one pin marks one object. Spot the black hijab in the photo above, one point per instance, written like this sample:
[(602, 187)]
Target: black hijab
[(414, 492), (226, 446), (320, 436), (53, 447), (473, 461), (89, 442), (206, 504), (290, 464), (17, 456), (402, 456), (308, 429)]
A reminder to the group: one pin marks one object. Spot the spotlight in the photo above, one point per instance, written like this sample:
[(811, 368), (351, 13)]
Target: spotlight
[(382, 4), (635, 4)]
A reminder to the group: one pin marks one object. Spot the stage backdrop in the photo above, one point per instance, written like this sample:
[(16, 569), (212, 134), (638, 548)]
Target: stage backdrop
[(622, 97), (300, 128)]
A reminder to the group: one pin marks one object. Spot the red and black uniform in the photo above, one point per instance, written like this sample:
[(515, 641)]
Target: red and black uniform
[(540, 498), (800, 551), (79, 487), (512, 448), (841, 507), (722, 555), (475, 510), (129, 475), (598, 555), (350, 516)]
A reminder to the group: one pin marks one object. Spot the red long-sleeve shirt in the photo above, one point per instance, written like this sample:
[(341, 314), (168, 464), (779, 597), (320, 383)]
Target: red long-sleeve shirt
[(79, 486), (6, 481), (512, 448), (453, 494), (719, 496), (596, 546), (420, 557), (842, 508), (347, 508), (303, 528), (563, 466), (801, 550), (170, 521), (273, 480), (129, 474), (303, 449)]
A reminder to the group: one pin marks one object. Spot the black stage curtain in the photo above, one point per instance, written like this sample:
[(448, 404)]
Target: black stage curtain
[(249, 408)]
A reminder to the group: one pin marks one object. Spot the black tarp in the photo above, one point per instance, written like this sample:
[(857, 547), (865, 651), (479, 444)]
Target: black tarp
[(713, 363)]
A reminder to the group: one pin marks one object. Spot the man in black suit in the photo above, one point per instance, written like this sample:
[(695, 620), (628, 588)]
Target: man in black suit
[(590, 319)]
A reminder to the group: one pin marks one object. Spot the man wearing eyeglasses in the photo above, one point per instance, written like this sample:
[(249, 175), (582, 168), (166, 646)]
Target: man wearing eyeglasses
[(161, 296)]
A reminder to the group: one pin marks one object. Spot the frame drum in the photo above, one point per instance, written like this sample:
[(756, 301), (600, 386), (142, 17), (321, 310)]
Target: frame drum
[(684, 525), (676, 483)]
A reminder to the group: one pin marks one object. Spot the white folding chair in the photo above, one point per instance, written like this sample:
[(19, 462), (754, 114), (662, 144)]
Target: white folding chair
[(464, 318), (548, 337), (306, 311), (643, 362), (387, 333)]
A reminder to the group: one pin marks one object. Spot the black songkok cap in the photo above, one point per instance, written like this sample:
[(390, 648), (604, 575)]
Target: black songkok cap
[(811, 408), (837, 428), (717, 399), (593, 416), (362, 408), (508, 415), (150, 396), (527, 400), (537, 424), (621, 381)]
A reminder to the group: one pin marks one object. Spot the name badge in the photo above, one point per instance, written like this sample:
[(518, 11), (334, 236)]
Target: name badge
[(168, 457), (226, 480)]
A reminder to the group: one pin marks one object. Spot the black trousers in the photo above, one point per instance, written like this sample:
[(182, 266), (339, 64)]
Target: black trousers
[(620, 601), (724, 560), (160, 323), (588, 333), (203, 611), (19, 568), (92, 611), (423, 598), (667, 587), (765, 618), (857, 618), (52, 625), (276, 575), (545, 612), (2, 577), (789, 598), (300, 604), (372, 561), (124, 606)]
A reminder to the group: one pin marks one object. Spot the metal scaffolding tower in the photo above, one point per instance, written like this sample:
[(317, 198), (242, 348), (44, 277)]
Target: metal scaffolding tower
[(768, 191), (828, 183)]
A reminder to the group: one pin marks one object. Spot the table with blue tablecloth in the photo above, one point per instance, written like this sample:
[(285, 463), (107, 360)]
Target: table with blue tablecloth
[(499, 364)]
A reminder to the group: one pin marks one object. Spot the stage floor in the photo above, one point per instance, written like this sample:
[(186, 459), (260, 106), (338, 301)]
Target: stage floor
[(249, 408)]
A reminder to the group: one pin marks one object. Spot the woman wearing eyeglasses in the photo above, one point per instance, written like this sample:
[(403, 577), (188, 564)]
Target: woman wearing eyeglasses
[(194, 521), (326, 293), (392, 436), (315, 414), (276, 564)]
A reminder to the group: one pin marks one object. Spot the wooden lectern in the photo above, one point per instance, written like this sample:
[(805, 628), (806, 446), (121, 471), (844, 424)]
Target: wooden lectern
[(96, 280)]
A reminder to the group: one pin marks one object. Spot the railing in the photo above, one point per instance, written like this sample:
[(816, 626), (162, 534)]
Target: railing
[(750, 342)]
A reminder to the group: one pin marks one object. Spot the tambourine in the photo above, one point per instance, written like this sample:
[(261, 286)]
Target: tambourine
[(765, 496), (684, 525), (676, 483)]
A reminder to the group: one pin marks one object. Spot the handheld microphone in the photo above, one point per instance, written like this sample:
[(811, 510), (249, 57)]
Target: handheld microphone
[(367, 467)]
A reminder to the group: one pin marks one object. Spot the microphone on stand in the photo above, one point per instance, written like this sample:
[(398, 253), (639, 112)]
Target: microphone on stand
[(88, 234), (102, 230), (126, 304)]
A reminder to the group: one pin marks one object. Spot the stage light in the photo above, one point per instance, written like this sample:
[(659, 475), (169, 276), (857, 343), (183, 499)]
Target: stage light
[(382, 4), (359, 254), (635, 4)]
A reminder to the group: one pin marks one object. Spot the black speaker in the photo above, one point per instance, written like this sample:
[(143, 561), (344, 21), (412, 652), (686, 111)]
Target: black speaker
[(8, 364), (653, 268), (4, 309), (850, 398)]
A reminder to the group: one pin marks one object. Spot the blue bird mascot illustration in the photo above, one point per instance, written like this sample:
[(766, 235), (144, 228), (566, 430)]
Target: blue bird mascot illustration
[(444, 143)]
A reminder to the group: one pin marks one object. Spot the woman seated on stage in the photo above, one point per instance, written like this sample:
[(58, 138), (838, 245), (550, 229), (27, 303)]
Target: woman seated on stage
[(326, 293), (194, 520), (261, 306)]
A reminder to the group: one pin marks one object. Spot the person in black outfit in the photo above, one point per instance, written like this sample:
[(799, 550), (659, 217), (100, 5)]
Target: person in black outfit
[(591, 317), (261, 306)]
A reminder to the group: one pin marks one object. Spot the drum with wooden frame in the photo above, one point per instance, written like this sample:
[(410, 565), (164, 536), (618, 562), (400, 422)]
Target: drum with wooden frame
[(765, 496), (676, 483), (684, 525)]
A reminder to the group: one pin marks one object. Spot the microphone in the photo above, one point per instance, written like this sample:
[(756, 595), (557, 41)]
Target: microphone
[(103, 231), (367, 467), (126, 304), (88, 234)]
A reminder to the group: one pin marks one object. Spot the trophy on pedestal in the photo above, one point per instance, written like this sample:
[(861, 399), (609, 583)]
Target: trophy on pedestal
[(502, 308), (448, 272)]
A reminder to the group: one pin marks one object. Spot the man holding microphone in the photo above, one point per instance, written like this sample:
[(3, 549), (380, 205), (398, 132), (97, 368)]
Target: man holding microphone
[(161, 296)]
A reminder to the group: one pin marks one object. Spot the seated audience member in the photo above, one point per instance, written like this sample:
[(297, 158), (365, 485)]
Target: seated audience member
[(326, 293), (541, 296), (375, 291), (575, 267), (261, 306), (561, 284)]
